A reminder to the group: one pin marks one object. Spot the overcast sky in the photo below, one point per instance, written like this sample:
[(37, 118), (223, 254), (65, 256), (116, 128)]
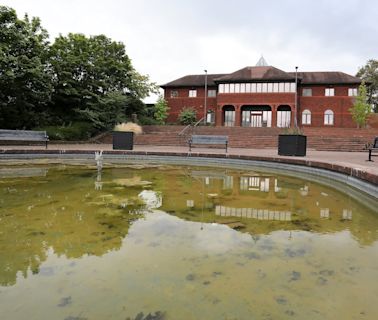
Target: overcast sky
[(171, 38)]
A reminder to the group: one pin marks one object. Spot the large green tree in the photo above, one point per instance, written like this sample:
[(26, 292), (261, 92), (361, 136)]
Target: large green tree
[(25, 79), (369, 73), (95, 81)]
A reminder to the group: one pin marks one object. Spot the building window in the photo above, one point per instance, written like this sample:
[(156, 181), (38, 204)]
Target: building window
[(174, 93), (248, 87), (192, 93), (281, 87), (212, 93), (283, 117), (307, 92), (352, 92), (221, 88), (210, 117), (229, 118), (328, 118), (237, 87), (306, 117), (242, 88), (329, 92)]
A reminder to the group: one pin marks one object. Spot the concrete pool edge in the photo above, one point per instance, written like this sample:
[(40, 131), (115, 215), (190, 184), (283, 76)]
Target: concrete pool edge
[(354, 177)]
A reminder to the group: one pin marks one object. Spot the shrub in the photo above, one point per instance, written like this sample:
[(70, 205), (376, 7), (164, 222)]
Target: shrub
[(187, 116), (147, 121), (75, 131)]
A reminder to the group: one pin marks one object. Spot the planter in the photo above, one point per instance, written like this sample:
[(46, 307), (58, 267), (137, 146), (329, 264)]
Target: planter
[(292, 145), (123, 140)]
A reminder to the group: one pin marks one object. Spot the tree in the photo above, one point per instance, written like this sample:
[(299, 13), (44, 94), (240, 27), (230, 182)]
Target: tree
[(161, 110), (93, 79), (25, 79), (187, 116), (361, 109), (369, 74)]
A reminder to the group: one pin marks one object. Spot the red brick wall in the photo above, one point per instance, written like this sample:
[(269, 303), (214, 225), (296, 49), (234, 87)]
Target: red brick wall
[(183, 100), (318, 104), (256, 98)]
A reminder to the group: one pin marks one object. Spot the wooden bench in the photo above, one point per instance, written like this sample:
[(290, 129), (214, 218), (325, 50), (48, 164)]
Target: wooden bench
[(373, 149), (207, 140), (23, 136)]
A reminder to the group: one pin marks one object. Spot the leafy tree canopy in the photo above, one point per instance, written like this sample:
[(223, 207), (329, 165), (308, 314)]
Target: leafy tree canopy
[(25, 79), (369, 73)]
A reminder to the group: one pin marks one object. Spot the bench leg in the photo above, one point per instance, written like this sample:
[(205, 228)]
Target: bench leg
[(46, 145), (226, 147), (370, 155)]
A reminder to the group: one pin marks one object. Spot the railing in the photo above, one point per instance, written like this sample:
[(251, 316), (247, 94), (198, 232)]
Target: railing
[(189, 126)]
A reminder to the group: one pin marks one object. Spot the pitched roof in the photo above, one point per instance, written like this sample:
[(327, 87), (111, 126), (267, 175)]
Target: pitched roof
[(263, 73), (327, 77), (196, 80)]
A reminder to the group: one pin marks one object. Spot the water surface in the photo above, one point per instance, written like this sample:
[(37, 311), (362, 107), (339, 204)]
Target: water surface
[(167, 242)]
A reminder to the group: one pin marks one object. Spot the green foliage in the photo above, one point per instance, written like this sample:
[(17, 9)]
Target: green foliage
[(161, 110), (73, 132), (369, 74), (25, 79), (187, 116), (361, 109), (76, 79)]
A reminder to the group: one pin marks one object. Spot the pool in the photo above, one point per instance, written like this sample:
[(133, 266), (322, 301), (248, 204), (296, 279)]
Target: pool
[(181, 242)]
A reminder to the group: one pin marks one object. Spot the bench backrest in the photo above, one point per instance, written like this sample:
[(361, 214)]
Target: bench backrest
[(209, 139), (26, 135), (375, 145)]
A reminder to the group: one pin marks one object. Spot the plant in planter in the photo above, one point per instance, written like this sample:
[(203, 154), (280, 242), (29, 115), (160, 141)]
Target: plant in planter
[(292, 142), (123, 135)]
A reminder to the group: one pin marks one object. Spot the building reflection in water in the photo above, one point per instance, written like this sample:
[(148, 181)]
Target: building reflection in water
[(251, 213)]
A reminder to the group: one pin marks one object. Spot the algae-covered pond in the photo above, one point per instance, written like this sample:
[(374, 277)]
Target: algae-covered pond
[(171, 242)]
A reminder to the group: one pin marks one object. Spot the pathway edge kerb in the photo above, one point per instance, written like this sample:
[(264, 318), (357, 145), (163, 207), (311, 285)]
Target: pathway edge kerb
[(346, 170)]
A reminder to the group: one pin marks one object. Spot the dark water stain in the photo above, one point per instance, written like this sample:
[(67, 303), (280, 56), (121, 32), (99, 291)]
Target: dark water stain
[(327, 272), (290, 312), (295, 275), (151, 316), (190, 277), (65, 301), (216, 301), (252, 256), (206, 283), (217, 273), (321, 281), (75, 318), (292, 253), (281, 300), (261, 274), (36, 233)]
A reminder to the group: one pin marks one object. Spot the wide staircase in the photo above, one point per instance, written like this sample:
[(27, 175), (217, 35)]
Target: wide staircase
[(327, 139)]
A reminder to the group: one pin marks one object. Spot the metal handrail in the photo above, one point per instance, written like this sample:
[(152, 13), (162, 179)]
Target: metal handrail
[(190, 125)]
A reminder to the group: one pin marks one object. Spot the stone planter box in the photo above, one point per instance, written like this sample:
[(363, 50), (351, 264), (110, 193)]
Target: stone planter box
[(123, 140), (292, 145)]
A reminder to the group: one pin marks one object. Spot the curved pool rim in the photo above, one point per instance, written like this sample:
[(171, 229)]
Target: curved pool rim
[(354, 179)]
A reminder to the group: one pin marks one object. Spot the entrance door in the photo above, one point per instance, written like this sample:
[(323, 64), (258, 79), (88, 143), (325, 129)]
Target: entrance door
[(256, 119)]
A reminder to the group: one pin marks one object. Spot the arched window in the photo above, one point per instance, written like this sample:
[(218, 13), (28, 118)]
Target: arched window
[(306, 117), (328, 117)]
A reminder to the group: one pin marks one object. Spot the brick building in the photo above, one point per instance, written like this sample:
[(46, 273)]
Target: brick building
[(264, 96)]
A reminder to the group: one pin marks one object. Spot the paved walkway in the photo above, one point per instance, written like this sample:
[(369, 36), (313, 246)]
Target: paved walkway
[(354, 160)]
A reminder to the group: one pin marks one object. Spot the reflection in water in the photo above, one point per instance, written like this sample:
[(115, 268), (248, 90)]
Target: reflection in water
[(300, 243), (250, 213)]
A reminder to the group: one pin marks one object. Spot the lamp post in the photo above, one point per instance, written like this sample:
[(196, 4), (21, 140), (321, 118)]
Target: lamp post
[(205, 107), (296, 98)]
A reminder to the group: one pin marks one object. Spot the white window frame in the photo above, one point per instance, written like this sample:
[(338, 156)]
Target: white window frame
[(221, 88), (306, 116), (174, 94), (329, 117), (352, 92), (212, 93), (307, 92), (329, 92), (193, 93)]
